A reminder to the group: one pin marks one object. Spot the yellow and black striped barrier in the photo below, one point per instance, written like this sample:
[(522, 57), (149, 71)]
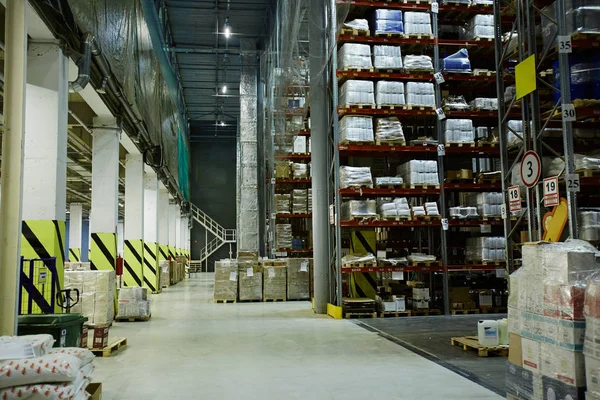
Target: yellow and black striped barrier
[(133, 261), (151, 275), (44, 239), (103, 252), (75, 254), (363, 284), (163, 252), (172, 252)]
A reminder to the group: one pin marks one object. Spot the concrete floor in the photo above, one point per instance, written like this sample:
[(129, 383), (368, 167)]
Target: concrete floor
[(194, 349)]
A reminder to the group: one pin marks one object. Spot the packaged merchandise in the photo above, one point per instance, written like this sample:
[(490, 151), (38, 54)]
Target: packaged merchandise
[(49, 368), (488, 204), (96, 294), (485, 248), (300, 201), (283, 203), (398, 207), (487, 104), (355, 92), (419, 172), (133, 303), (420, 94), (298, 278), (283, 169), (481, 26), (387, 57), (417, 23), (413, 62), (388, 181), (164, 266), (283, 233), (389, 93), (355, 129), (389, 130), (299, 145), (358, 209), (387, 21), (354, 56), (26, 346), (250, 281), (459, 131), (355, 177), (588, 225), (455, 103), (358, 24), (457, 62), (274, 280), (309, 200), (299, 171), (463, 212)]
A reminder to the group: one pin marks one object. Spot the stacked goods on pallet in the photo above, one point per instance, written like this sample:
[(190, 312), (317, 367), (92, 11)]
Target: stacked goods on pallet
[(397, 208), (299, 171), (355, 177), (31, 369), (358, 209), (226, 280), (77, 266), (592, 338), (461, 299), (546, 320), (420, 299), (165, 272), (250, 277), (461, 212), (419, 172), (309, 201), (274, 280), (388, 181), (283, 169), (459, 131), (283, 236), (389, 130), (389, 93), (177, 269), (414, 62), (480, 26), (457, 62), (283, 203), (354, 56), (488, 204), (387, 57), (299, 145), (484, 103), (387, 21), (356, 129), (96, 291), (589, 225), (134, 303), (420, 94), (417, 23), (358, 93), (298, 278), (300, 201), (485, 248)]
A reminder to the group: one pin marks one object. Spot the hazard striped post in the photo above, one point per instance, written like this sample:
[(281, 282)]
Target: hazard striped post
[(151, 275), (363, 284), (133, 247)]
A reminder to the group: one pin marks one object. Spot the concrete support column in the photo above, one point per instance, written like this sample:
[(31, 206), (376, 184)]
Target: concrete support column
[(319, 154), (151, 275), (75, 231), (178, 238), (247, 218), (173, 218), (133, 251), (105, 194), (15, 64), (120, 238), (163, 223), (45, 170)]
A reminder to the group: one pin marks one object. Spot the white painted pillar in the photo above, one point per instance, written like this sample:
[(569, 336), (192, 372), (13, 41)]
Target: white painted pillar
[(163, 222), (178, 238), (105, 194), (173, 217), (120, 238), (151, 275), (75, 231), (45, 145), (133, 251)]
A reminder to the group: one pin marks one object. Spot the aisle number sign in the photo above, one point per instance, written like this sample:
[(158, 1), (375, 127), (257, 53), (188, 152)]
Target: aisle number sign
[(551, 191), (531, 168), (514, 198)]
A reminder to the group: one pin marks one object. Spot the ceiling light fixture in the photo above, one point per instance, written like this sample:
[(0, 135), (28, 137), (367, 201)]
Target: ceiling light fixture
[(227, 28), (224, 90), (222, 123), (120, 204)]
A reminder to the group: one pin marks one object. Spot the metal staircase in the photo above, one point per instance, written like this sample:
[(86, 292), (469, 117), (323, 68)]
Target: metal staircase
[(221, 235)]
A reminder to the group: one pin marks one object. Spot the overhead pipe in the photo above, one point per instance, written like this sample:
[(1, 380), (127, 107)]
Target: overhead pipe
[(84, 65), (76, 117)]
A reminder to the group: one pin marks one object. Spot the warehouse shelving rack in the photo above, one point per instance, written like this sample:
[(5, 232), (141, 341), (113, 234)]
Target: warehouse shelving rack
[(443, 154)]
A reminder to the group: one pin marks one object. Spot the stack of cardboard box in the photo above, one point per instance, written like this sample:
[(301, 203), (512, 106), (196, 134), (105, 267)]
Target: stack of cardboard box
[(96, 294), (546, 325), (226, 280), (134, 303), (250, 276), (274, 279), (298, 278), (460, 298)]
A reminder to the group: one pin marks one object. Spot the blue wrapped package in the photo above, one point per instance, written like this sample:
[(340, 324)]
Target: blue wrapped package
[(390, 15), (585, 78), (387, 21), (386, 26), (457, 62)]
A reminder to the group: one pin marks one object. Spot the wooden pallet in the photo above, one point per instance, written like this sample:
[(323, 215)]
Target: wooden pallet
[(363, 219), (387, 314), (585, 36), (356, 143), (588, 173), (480, 39), (224, 301), (370, 264), (492, 218), (359, 106), (421, 186), (418, 71), (390, 35), (483, 72), (392, 107), (111, 349), (273, 300), (425, 313), (460, 144), (494, 310), (485, 143), (388, 186), (355, 32), (483, 262), (133, 319), (418, 36), (358, 69), (436, 263), (349, 315), (250, 301), (427, 218), (421, 108), (470, 343), (461, 312), (390, 144), (396, 218), (459, 180)]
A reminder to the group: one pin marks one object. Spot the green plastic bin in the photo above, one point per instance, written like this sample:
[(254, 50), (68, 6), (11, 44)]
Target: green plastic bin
[(65, 328)]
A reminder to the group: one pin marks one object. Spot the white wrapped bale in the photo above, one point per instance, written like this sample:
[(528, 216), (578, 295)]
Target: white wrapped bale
[(298, 278), (354, 92), (355, 129), (354, 56), (355, 177), (226, 280)]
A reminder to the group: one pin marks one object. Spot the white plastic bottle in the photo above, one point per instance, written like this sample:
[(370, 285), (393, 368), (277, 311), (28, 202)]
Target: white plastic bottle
[(503, 331), (487, 333)]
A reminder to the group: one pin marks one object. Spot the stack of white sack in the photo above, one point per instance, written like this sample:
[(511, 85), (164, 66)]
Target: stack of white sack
[(42, 372)]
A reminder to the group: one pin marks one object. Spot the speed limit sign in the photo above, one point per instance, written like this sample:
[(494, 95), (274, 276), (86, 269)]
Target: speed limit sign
[(531, 168)]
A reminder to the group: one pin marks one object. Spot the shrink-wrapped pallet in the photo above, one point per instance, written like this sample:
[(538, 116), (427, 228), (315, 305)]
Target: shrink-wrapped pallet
[(250, 281), (275, 281), (299, 201), (355, 177), (283, 234), (389, 93), (352, 209), (420, 94), (165, 274), (459, 131), (283, 203), (226, 280), (389, 130), (354, 56), (387, 57), (133, 303), (356, 129), (298, 278), (354, 92), (96, 289), (417, 23), (419, 172)]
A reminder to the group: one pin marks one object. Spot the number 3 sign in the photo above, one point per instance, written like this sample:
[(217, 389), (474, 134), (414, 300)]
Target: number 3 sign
[(531, 168)]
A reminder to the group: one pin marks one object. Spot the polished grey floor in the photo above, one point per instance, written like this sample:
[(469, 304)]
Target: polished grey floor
[(194, 349)]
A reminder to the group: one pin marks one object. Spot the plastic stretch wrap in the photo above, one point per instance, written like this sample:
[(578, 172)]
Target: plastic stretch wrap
[(387, 21), (485, 249), (298, 278), (283, 203), (354, 258), (27, 346), (284, 236), (481, 26), (356, 129), (250, 281), (388, 180), (300, 201), (389, 130), (516, 126), (555, 166), (358, 209), (355, 177), (44, 369), (300, 145), (355, 92), (299, 171), (423, 142), (133, 303), (420, 172), (358, 24), (455, 2), (455, 103), (96, 290), (459, 131), (124, 38), (431, 208), (394, 261), (457, 62), (309, 199), (481, 103), (226, 280), (589, 225), (420, 94), (488, 204), (420, 257), (398, 207), (482, 132), (387, 57), (417, 23), (389, 93), (583, 16), (463, 212), (355, 56), (414, 62), (274, 282), (418, 211)]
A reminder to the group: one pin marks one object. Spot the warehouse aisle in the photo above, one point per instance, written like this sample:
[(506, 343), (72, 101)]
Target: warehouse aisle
[(194, 349)]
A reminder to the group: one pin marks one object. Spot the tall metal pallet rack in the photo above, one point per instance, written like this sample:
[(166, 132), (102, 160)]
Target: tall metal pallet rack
[(441, 153)]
